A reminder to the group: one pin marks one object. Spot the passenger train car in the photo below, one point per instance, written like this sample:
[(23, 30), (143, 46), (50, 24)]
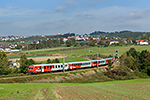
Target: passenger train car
[(41, 68)]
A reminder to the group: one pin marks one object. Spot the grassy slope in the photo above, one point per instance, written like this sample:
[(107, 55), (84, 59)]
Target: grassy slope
[(101, 50), (113, 89), (18, 56), (70, 59)]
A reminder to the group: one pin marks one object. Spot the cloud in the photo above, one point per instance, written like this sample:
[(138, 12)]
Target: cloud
[(93, 2), (4, 22), (41, 21), (71, 2), (59, 8)]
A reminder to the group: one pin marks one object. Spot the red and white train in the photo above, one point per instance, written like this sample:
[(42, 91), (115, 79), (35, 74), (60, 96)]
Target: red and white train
[(41, 68)]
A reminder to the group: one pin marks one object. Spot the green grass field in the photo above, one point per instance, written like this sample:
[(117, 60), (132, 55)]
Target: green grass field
[(86, 51), (18, 56), (69, 59), (137, 89)]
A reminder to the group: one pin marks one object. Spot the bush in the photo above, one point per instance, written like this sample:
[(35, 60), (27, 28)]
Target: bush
[(115, 73)]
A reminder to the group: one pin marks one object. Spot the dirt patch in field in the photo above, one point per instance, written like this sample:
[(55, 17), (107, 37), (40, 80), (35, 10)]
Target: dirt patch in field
[(99, 92), (38, 58), (39, 96), (137, 86)]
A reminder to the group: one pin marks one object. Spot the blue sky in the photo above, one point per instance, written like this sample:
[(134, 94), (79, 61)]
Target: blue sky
[(38, 17)]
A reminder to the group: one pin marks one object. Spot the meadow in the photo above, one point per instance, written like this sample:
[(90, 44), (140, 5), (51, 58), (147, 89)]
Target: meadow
[(68, 59), (130, 89), (18, 56), (91, 50)]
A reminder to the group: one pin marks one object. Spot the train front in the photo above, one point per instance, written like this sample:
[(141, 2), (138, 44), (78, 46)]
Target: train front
[(31, 69)]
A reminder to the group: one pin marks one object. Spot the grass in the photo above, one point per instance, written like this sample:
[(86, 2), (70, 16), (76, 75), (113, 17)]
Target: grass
[(129, 89), (13, 42), (18, 56), (26, 91), (86, 51), (68, 59)]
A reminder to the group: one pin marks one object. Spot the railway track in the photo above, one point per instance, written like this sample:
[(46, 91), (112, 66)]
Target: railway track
[(57, 72)]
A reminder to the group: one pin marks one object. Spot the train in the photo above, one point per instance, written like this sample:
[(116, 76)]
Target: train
[(42, 68)]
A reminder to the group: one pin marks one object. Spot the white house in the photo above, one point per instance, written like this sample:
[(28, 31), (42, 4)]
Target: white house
[(142, 42), (113, 41)]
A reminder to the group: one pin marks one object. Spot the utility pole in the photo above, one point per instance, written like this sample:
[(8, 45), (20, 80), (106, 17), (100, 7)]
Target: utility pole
[(64, 64), (99, 48), (118, 55), (84, 51), (107, 51), (97, 60), (27, 48), (35, 48)]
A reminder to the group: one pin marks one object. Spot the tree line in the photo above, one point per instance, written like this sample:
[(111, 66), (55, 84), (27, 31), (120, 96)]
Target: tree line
[(7, 68), (136, 61), (121, 34)]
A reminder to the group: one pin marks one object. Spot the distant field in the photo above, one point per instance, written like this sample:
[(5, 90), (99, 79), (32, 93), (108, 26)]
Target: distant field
[(13, 42), (137, 89), (70, 59), (86, 51), (18, 56)]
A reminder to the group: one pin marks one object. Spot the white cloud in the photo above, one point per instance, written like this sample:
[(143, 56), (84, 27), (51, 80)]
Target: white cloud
[(93, 2), (40, 21), (59, 8), (5, 22), (71, 2)]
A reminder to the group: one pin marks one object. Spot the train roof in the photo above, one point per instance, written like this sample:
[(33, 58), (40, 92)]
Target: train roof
[(70, 62), (49, 64), (80, 62)]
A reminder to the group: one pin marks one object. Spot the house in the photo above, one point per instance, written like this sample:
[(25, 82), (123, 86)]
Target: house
[(113, 41), (142, 42), (65, 39)]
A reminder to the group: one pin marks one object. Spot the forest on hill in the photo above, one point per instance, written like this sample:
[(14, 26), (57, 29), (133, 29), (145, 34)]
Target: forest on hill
[(122, 34)]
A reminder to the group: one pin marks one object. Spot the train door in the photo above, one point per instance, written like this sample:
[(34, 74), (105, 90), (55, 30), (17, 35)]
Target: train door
[(42, 68)]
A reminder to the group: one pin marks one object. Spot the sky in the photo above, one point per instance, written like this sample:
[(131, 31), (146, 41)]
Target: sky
[(49, 17)]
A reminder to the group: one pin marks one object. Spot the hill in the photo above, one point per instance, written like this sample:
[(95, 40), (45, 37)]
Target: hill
[(122, 34)]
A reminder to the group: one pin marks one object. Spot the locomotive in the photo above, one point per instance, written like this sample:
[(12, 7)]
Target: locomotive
[(41, 68)]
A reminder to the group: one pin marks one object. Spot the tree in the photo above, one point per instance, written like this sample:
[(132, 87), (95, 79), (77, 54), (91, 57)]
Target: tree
[(121, 42), (133, 53), (19, 46), (55, 61), (82, 44), (31, 61), (72, 41), (61, 41), (92, 43), (109, 64), (68, 43), (107, 44), (4, 68), (48, 61), (100, 42), (24, 63)]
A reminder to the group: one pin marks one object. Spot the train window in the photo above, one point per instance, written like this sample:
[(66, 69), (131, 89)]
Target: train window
[(47, 67), (44, 67), (65, 65), (58, 66), (40, 67), (61, 65), (50, 66)]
